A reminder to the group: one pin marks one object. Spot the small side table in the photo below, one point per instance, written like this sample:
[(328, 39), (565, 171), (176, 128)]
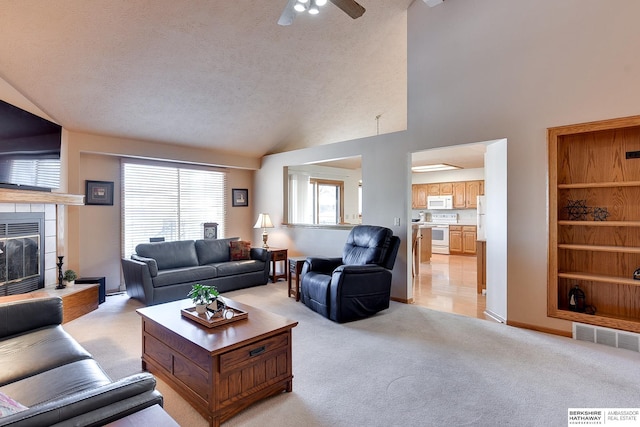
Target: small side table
[(278, 255), (295, 268)]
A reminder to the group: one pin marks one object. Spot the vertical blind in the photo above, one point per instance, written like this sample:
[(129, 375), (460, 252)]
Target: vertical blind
[(170, 202)]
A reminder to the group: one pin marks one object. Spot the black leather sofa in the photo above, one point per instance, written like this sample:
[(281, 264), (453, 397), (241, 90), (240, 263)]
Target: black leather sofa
[(165, 271), (356, 285), (46, 370)]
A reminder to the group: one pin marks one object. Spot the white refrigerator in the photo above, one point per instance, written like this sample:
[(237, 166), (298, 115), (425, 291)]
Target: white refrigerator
[(482, 217)]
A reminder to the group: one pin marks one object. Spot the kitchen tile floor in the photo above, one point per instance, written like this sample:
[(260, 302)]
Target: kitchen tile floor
[(449, 283)]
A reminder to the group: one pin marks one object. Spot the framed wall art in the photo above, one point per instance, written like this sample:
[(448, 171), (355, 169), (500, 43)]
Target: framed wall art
[(240, 197), (99, 193)]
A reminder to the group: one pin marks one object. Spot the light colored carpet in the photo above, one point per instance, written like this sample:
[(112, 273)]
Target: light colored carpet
[(406, 366)]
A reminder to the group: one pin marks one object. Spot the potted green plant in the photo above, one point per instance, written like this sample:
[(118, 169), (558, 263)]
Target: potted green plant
[(69, 277), (202, 295)]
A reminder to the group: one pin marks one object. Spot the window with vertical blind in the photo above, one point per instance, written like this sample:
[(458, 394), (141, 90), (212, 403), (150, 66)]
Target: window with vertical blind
[(170, 202)]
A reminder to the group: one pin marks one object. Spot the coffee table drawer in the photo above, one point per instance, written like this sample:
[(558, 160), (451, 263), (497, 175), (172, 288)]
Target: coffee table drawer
[(252, 353)]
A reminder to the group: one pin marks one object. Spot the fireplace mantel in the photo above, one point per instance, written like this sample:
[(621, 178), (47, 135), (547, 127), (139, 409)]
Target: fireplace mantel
[(25, 196)]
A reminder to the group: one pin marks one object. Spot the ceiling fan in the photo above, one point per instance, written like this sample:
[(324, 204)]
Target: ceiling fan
[(350, 7)]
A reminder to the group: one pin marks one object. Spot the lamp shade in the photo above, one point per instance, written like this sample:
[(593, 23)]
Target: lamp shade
[(263, 221)]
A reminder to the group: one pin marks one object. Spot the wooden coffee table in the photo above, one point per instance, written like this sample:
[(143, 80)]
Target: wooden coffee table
[(222, 370)]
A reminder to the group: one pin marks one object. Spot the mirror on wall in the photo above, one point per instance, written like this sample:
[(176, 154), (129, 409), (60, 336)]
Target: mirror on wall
[(327, 193)]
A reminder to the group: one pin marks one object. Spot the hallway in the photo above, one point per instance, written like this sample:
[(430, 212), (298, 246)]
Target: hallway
[(449, 283)]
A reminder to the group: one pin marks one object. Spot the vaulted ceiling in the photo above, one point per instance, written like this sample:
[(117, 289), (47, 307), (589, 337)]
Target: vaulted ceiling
[(210, 73)]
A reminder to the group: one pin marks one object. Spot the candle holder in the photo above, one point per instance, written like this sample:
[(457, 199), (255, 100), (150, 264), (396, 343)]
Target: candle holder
[(61, 284)]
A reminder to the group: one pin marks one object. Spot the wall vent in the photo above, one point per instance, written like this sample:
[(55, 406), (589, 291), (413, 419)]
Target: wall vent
[(606, 336)]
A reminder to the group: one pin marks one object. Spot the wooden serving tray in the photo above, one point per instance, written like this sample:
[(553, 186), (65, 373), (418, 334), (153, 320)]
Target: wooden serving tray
[(209, 321)]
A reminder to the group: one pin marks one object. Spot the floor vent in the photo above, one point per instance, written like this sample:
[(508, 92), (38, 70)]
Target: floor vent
[(606, 336)]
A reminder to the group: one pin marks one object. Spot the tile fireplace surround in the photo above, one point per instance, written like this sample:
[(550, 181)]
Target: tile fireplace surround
[(50, 241), (16, 201)]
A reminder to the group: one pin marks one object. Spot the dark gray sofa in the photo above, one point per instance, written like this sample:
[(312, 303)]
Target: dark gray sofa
[(46, 370), (165, 271)]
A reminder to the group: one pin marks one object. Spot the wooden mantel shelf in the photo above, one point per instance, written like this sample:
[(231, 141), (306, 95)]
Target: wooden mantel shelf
[(26, 196)]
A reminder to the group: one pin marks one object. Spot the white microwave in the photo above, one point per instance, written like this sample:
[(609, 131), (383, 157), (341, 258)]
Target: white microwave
[(439, 202)]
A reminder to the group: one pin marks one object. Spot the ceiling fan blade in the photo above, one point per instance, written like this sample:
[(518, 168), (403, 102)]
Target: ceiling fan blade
[(288, 14), (350, 7)]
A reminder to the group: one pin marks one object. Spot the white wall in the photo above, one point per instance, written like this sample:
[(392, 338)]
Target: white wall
[(383, 197), (487, 70), (496, 189)]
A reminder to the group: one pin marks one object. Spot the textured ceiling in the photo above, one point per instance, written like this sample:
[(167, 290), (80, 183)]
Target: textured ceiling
[(209, 73)]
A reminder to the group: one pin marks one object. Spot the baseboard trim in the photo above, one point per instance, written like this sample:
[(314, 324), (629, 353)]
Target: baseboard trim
[(552, 331), (494, 316), (402, 300)]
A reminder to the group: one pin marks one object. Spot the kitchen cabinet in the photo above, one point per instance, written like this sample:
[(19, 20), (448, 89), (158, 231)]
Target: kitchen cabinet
[(462, 239), (469, 239), (473, 189), (594, 221), (421, 244), (482, 265), (433, 189), (464, 193), (455, 239), (419, 196), (459, 197), (446, 189)]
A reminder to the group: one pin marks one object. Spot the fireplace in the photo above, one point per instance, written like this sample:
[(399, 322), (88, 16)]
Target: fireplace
[(22, 252)]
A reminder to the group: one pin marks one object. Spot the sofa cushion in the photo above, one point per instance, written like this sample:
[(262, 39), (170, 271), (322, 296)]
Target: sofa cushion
[(176, 276), (37, 351), (213, 250), (9, 406), (179, 253), (58, 382), (239, 250), (232, 268)]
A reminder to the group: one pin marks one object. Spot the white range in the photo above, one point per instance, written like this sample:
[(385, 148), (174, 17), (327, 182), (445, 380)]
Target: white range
[(440, 231)]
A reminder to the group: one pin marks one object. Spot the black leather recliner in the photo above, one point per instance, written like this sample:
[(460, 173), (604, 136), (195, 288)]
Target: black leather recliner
[(358, 284)]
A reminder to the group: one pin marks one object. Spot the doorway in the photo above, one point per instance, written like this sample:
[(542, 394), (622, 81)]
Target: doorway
[(449, 282)]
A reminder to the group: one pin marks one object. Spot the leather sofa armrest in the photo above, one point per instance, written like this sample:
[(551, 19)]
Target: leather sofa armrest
[(95, 406), (322, 265), (259, 254), (152, 264), (137, 279), (21, 316)]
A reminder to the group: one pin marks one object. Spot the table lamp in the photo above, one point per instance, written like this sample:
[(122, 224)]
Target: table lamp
[(264, 222)]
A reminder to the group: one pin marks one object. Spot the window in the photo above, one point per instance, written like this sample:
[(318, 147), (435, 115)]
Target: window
[(170, 202), (327, 201)]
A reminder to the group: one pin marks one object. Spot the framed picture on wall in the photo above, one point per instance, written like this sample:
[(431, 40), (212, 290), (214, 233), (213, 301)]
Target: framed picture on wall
[(240, 197), (99, 193)]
